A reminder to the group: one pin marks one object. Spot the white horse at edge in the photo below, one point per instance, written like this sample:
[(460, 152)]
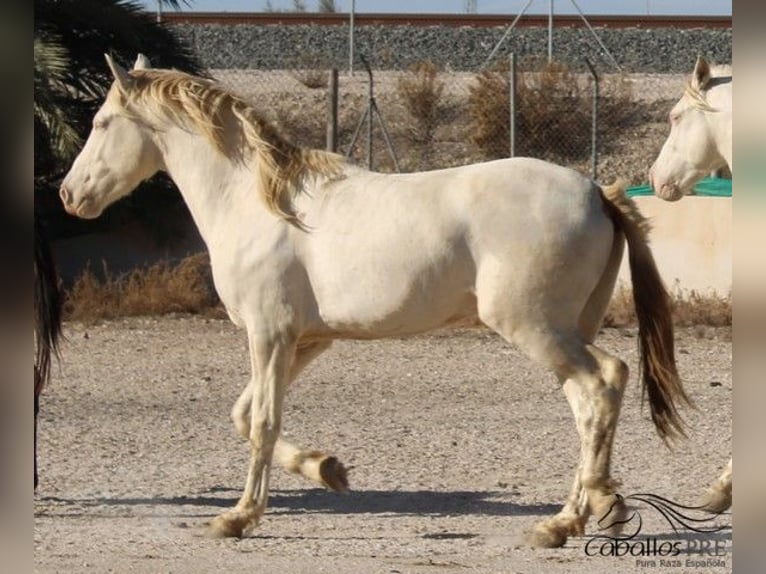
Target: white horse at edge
[(700, 141), (306, 248)]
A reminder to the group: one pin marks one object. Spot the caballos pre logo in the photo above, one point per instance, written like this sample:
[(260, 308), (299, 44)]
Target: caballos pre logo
[(693, 545)]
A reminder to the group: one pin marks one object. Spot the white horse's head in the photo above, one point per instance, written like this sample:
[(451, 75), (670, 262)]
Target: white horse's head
[(700, 135), (118, 155)]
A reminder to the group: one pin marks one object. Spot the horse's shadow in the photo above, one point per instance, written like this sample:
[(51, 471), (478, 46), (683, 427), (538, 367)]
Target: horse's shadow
[(301, 501)]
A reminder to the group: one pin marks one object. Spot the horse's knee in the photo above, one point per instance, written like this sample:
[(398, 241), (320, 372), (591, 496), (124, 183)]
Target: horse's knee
[(614, 371), (240, 415)]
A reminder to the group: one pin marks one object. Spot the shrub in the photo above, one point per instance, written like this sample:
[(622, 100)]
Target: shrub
[(488, 104), (553, 114), (421, 91), (312, 71), (156, 290)]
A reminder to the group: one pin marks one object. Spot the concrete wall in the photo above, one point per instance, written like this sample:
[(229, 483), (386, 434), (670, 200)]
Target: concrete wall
[(692, 243)]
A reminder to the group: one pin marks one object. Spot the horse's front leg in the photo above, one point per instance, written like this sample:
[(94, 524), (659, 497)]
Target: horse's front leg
[(271, 360), (314, 465)]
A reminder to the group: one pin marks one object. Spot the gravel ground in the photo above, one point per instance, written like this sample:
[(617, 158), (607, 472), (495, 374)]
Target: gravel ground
[(457, 445), (268, 47)]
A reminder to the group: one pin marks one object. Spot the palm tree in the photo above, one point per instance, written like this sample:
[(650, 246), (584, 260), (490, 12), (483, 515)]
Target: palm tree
[(55, 135), (70, 80), (71, 77)]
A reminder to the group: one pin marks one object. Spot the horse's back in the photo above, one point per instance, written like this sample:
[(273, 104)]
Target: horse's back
[(415, 249), (530, 200)]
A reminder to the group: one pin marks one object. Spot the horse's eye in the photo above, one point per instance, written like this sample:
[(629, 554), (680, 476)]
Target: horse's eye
[(674, 117), (99, 124)]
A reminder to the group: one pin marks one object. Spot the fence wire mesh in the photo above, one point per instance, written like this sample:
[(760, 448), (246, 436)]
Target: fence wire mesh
[(438, 118)]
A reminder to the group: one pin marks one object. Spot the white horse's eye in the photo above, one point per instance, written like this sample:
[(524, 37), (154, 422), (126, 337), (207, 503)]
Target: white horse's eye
[(100, 124)]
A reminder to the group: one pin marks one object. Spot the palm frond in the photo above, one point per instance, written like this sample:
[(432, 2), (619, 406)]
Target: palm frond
[(175, 4), (51, 66)]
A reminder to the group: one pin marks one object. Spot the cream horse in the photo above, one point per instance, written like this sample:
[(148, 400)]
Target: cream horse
[(699, 142), (700, 133), (307, 248)]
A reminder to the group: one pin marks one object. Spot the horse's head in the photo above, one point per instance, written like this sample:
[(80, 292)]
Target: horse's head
[(119, 153), (700, 126)]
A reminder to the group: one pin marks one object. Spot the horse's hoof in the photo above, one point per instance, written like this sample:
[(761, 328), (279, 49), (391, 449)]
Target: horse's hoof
[(716, 501), (614, 515), (548, 534), (231, 524), (334, 475)]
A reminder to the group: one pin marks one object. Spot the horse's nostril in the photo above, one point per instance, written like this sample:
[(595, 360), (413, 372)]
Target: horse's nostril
[(64, 195)]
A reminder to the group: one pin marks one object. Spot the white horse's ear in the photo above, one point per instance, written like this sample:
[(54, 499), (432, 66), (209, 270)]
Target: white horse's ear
[(142, 63), (124, 81), (701, 74)]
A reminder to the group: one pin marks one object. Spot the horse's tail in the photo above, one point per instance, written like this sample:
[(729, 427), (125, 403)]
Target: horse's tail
[(48, 309), (657, 365)]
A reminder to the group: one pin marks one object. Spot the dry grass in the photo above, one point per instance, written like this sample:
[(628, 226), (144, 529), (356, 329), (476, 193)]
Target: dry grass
[(157, 290), (187, 288), (690, 309), (313, 79), (312, 70), (420, 90)]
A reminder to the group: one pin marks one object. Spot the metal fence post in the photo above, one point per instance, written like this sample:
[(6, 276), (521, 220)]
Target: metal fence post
[(352, 9), (594, 121), (512, 100), (332, 111), (370, 100)]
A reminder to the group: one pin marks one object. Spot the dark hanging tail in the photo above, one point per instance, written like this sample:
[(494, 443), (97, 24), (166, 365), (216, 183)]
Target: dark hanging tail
[(48, 311), (661, 381)]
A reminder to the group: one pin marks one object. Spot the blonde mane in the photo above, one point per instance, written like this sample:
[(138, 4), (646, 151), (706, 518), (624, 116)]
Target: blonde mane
[(236, 130)]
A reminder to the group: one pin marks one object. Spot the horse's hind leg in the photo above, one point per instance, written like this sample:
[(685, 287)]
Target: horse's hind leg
[(718, 497), (594, 385), (572, 518), (595, 382), (314, 465), (575, 513)]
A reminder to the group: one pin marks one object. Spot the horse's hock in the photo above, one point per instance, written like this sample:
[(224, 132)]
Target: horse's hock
[(691, 242)]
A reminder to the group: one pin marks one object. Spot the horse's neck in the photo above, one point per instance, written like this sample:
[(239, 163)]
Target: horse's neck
[(723, 137), (221, 194), (723, 129)]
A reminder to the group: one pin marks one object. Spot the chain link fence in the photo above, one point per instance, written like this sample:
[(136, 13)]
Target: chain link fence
[(602, 121)]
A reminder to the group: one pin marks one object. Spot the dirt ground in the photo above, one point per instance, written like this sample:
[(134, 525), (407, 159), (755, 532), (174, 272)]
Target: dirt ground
[(457, 445)]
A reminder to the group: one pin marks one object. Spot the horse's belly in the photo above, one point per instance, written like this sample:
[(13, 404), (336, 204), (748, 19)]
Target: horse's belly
[(390, 304)]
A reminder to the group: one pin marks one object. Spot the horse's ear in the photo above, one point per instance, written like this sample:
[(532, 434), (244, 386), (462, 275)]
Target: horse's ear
[(124, 81), (701, 74), (142, 63)]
